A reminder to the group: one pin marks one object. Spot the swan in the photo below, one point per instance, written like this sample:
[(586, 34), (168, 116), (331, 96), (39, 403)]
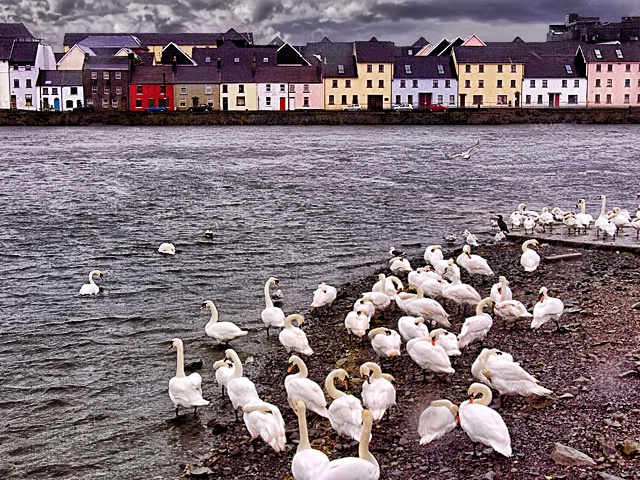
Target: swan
[(584, 218), (546, 309), (223, 332), (224, 372), (470, 238), (293, 338), (572, 222), (441, 266), (394, 252), (271, 316), (460, 293), (167, 248), (365, 305), (323, 295), (185, 391), (476, 327), (240, 389), (472, 263), (399, 265), (433, 254), (378, 393), (499, 237), (385, 342), (301, 388), (412, 327), (265, 420), (448, 341), (428, 355), (438, 419), (390, 285), (557, 213), (529, 224), (498, 370), (619, 218), (357, 323), (603, 223), (483, 424), (308, 462), (345, 412), (363, 467), (501, 291), (636, 224), (208, 234), (432, 285), (91, 288), (546, 219), (530, 258), (380, 300), (419, 306), (509, 310)]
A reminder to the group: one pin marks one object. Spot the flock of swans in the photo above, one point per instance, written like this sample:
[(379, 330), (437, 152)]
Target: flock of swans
[(423, 295)]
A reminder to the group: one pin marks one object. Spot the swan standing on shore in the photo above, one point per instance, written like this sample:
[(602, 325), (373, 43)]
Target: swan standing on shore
[(476, 327), (224, 372), (323, 295), (308, 462), (509, 310), (500, 291), (472, 263), (240, 389), (91, 288), (483, 424), (293, 338), (433, 254), (357, 323), (223, 332), (265, 420), (412, 327), (530, 258), (448, 341), (167, 248), (301, 388), (428, 355), (390, 285), (385, 342), (547, 309), (584, 218), (271, 316), (378, 393), (438, 419), (460, 293), (345, 412), (185, 391)]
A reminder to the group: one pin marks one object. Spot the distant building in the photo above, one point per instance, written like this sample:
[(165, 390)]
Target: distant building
[(592, 30)]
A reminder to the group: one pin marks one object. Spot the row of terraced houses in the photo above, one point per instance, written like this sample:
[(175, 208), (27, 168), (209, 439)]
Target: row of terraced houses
[(228, 71)]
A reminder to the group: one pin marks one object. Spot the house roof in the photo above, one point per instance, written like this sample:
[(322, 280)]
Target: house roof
[(111, 41), (514, 52), (106, 63), (172, 51), (438, 47), (24, 53), (288, 74), (337, 58), (15, 31), (59, 78), (422, 67), (288, 55), (421, 42), (629, 52), (6, 46), (198, 75), (374, 51), (156, 75), (163, 39)]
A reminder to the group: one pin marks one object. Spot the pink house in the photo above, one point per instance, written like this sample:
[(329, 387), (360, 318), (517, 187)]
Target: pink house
[(613, 73)]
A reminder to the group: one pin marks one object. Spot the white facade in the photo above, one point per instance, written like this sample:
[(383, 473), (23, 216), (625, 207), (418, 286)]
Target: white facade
[(273, 96), (59, 98), (441, 91), (554, 92), (5, 92), (24, 94)]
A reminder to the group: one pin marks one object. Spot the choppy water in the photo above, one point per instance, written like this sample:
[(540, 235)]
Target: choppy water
[(83, 381)]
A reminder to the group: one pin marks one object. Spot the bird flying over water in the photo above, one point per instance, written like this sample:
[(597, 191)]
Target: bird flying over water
[(467, 153)]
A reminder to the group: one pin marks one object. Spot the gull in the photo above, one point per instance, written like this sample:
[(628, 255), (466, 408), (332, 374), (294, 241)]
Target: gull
[(467, 153)]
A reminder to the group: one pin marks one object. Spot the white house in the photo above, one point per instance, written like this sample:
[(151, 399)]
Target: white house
[(60, 90), (423, 81), (27, 59), (553, 82)]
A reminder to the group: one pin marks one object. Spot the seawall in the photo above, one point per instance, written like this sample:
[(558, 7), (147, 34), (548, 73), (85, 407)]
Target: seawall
[(469, 116)]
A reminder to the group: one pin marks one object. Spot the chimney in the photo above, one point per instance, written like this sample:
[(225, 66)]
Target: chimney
[(219, 63)]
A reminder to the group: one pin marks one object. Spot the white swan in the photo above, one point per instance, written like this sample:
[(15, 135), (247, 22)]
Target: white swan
[(293, 338), (185, 391), (271, 316), (265, 420), (460, 293), (472, 263), (308, 462), (357, 323), (476, 327), (509, 310), (619, 218), (530, 258), (602, 223), (323, 295), (419, 306), (498, 370), (448, 341), (483, 424), (438, 419), (223, 332), (224, 372), (345, 412), (379, 300), (428, 355), (572, 222), (399, 265), (412, 327), (546, 219), (378, 393), (365, 305), (301, 388), (529, 224), (584, 218), (390, 285), (167, 248), (433, 254), (91, 288), (240, 389), (363, 467), (546, 309), (385, 342), (501, 291), (470, 238)]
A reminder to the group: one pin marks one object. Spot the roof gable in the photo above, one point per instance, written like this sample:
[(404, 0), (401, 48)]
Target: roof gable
[(173, 53), (473, 41), (288, 55), (15, 31)]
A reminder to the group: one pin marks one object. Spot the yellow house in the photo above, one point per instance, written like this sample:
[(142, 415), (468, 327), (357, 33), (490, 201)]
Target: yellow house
[(374, 71), (489, 76)]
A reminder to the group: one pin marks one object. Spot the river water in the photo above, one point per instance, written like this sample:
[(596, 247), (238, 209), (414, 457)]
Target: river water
[(83, 381)]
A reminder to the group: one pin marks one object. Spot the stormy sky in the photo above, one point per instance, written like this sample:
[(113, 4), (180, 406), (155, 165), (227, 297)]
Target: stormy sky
[(301, 21)]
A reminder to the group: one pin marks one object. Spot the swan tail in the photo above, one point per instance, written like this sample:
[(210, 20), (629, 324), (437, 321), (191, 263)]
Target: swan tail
[(541, 391), (201, 402)]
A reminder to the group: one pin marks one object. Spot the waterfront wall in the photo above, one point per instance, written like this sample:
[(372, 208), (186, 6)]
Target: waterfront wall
[(470, 116)]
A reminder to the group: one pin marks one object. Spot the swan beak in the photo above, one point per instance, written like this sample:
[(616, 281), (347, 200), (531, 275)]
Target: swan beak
[(346, 384), (542, 298), (470, 399), (366, 378), (277, 283), (101, 277), (170, 345), (289, 368), (203, 306), (457, 417), (433, 342)]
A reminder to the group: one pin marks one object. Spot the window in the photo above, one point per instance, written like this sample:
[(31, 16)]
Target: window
[(240, 102), (267, 87), (369, 83), (597, 53), (118, 90), (527, 99), (94, 89), (236, 60), (608, 98), (305, 101), (619, 53), (151, 102), (114, 103), (414, 83), (381, 83), (544, 83), (183, 90), (480, 83), (568, 69), (16, 83), (73, 90), (502, 99), (514, 68), (440, 69), (106, 90), (598, 68), (467, 68), (28, 83), (331, 100), (626, 98), (638, 99), (576, 83), (598, 82), (499, 84), (477, 99), (564, 84), (28, 100), (539, 99), (163, 89), (267, 101), (403, 84), (207, 89), (105, 103), (467, 84), (305, 88), (118, 75), (572, 99), (265, 59), (225, 88), (609, 68), (240, 88), (45, 90), (513, 84), (343, 100), (380, 68), (354, 100), (182, 103), (347, 84), (283, 86), (94, 75), (407, 69), (207, 59), (410, 99), (597, 98), (369, 68), (54, 91), (532, 83), (499, 68), (627, 82), (480, 68), (89, 101), (452, 99), (334, 83), (440, 99), (340, 69), (609, 82), (105, 75), (292, 88), (435, 84), (447, 84), (398, 99), (27, 67)]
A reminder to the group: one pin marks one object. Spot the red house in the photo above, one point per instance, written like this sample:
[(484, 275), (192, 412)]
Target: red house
[(151, 86)]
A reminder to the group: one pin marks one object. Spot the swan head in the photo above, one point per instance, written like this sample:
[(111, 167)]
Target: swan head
[(453, 408), (543, 293), (229, 353), (221, 363), (206, 304), (467, 250), (379, 330), (366, 369), (294, 361), (273, 281), (299, 408), (480, 393), (262, 408), (175, 342), (294, 316)]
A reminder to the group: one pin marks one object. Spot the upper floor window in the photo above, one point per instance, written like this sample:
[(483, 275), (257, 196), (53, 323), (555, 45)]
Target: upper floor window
[(118, 75), (282, 87), (576, 83), (414, 84), (380, 68), (118, 90), (347, 84), (369, 68), (467, 68), (499, 68), (183, 90), (447, 84), (627, 67), (305, 88), (16, 83), (407, 69), (513, 84), (94, 75), (564, 84), (480, 83), (380, 83), (598, 67), (544, 83), (292, 88), (609, 68), (268, 87), (514, 68), (369, 83), (467, 84), (334, 83), (499, 85), (240, 88), (225, 88), (440, 69), (435, 84), (627, 82), (532, 84), (480, 68), (403, 84), (45, 91), (609, 82), (105, 75)]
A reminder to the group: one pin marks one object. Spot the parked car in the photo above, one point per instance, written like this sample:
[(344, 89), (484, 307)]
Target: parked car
[(403, 107), (157, 108), (200, 108), (85, 108), (354, 107), (437, 108)]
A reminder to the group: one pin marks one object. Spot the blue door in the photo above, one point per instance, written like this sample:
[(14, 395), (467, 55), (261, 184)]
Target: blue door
[(56, 104)]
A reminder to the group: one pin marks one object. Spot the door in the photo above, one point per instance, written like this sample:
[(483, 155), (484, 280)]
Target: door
[(374, 103), (463, 100), (225, 103), (556, 102), (195, 101), (424, 99), (56, 104), (283, 103)]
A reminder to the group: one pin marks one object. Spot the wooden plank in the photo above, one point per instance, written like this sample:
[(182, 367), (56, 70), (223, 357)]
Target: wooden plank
[(559, 258)]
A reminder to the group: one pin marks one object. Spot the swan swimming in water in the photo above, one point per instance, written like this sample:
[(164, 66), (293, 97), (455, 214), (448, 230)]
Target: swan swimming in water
[(167, 249), (530, 258), (293, 338), (271, 316), (438, 419), (185, 391), (91, 288), (223, 332), (308, 462)]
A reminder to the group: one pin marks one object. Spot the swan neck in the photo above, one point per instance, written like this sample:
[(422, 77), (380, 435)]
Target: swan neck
[(486, 395), (375, 368), (503, 289), (330, 386), (180, 364), (304, 371), (363, 449), (267, 295), (304, 432), (214, 313), (237, 364), (603, 208)]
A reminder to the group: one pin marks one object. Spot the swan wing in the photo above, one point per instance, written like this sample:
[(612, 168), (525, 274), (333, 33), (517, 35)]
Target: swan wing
[(307, 391), (435, 422), (378, 395), (350, 468), (486, 426), (241, 392), (345, 416), (308, 464)]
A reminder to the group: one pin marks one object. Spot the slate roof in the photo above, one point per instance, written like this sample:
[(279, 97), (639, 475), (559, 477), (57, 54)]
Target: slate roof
[(107, 63), (374, 51), (422, 67), (163, 39), (331, 55), (156, 75), (630, 52), (15, 31), (24, 53), (275, 74), (59, 78), (196, 75), (111, 41), (6, 46)]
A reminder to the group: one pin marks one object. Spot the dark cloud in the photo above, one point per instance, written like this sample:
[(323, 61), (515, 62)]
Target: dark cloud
[(265, 10)]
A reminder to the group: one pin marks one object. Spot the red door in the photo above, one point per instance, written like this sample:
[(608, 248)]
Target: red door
[(283, 103), (556, 101)]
